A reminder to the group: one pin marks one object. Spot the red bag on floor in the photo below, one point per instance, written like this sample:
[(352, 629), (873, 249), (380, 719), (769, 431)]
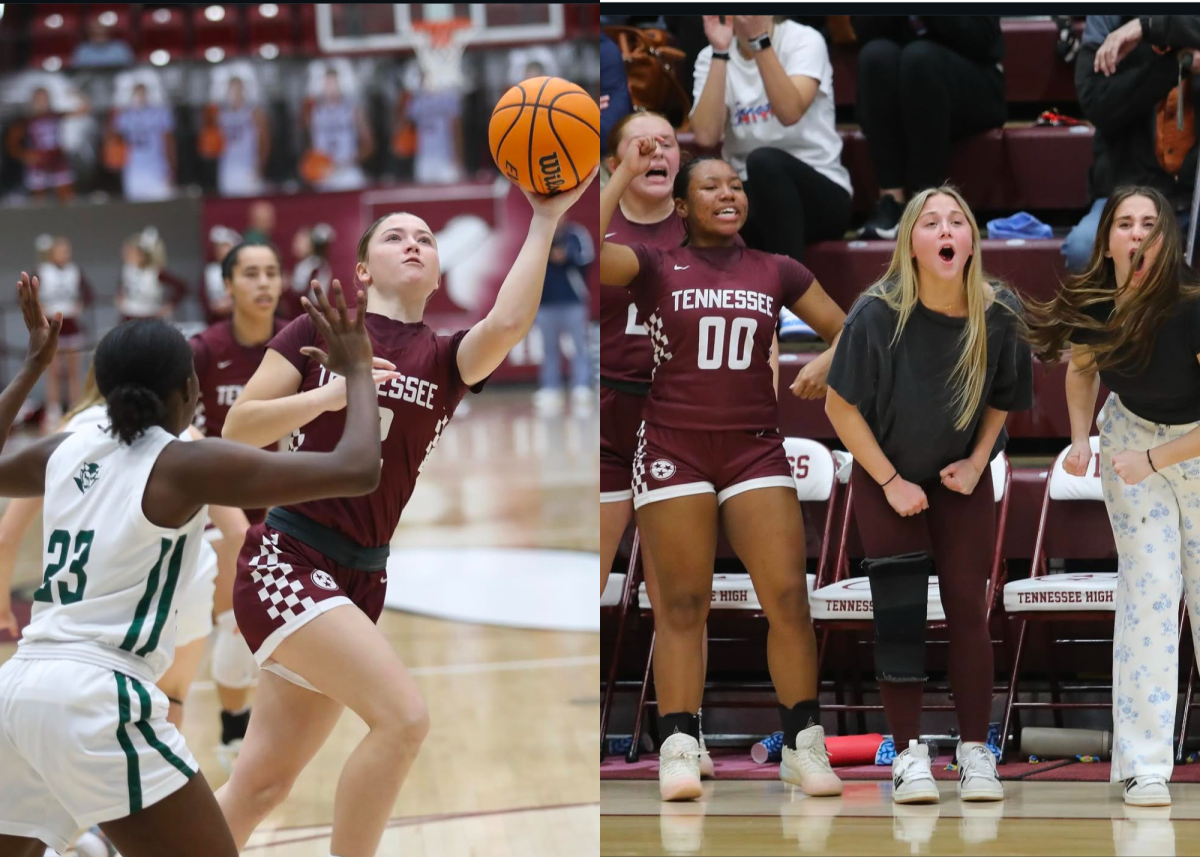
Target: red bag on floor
[(853, 749)]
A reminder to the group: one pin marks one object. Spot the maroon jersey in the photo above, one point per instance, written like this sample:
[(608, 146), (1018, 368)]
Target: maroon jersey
[(42, 138), (223, 367), (625, 352), (413, 413), (711, 313)]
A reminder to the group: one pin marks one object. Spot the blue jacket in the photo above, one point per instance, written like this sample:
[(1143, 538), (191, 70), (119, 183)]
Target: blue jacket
[(615, 85)]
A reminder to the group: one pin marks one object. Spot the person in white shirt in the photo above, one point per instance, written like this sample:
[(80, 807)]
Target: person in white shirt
[(768, 100)]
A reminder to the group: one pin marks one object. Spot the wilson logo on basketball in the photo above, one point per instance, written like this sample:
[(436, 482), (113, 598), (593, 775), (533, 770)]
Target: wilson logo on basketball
[(551, 172), (662, 469), (324, 579)]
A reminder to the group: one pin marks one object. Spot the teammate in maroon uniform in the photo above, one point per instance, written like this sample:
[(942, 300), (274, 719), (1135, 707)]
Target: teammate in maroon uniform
[(37, 143), (710, 439), (226, 356), (308, 559)]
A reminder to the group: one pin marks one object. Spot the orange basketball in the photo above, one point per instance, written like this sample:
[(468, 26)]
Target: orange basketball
[(315, 166), (545, 134)]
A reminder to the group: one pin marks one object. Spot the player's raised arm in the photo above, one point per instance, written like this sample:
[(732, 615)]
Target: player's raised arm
[(487, 343), (618, 264), (229, 474)]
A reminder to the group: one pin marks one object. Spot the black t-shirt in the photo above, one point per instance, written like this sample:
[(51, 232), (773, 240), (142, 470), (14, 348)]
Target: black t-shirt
[(1167, 391), (904, 392)]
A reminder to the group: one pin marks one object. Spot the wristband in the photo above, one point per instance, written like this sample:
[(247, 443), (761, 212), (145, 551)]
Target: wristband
[(721, 55), (1151, 460), (893, 476)]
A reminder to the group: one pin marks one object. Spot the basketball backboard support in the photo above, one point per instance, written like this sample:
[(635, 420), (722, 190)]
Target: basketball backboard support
[(367, 27)]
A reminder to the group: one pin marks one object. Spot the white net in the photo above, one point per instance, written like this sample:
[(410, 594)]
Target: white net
[(439, 54)]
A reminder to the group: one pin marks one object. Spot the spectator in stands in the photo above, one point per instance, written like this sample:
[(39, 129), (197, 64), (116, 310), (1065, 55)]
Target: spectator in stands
[(36, 142), (100, 49), (1124, 71), (436, 115), (929, 365), (145, 129), (63, 289), (311, 248), (565, 309), (615, 101), (140, 293), (340, 139), (261, 223), (770, 96), (1134, 316), (214, 297), (922, 82), (237, 134)]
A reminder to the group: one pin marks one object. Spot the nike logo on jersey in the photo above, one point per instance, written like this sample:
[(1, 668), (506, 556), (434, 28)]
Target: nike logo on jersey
[(682, 267), (609, 234), (224, 364)]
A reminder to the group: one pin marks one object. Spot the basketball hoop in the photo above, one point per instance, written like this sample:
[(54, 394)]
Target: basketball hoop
[(439, 47)]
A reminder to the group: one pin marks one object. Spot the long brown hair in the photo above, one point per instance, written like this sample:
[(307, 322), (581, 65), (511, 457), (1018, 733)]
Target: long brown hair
[(898, 288), (1128, 335)]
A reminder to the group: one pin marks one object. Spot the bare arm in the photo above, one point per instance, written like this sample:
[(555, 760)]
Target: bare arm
[(487, 343), (17, 518), (190, 475), (269, 407), (618, 264), (858, 437), (231, 521), (820, 312), (789, 97), (990, 425), (1082, 385), (708, 114)]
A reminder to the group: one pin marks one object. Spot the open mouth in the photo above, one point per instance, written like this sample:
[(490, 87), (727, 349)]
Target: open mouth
[(263, 300), (656, 173), (946, 252), (1141, 265), (727, 213)]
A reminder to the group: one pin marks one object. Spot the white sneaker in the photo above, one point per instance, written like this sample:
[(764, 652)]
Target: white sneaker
[(548, 402), (679, 768), (978, 778), (912, 778), (808, 765), (1149, 790), (707, 770), (227, 753), (582, 401)]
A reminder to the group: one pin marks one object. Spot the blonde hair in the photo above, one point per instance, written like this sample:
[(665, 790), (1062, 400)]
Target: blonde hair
[(90, 397), (898, 288)]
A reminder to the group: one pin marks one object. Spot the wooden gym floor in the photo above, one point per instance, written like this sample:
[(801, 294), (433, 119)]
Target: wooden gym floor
[(768, 818), (510, 766)]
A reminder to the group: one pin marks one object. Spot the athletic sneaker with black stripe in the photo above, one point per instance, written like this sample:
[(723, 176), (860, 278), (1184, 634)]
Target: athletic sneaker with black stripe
[(978, 778), (912, 777)]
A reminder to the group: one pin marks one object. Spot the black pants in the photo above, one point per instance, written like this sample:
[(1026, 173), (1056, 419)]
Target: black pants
[(913, 99), (791, 204)]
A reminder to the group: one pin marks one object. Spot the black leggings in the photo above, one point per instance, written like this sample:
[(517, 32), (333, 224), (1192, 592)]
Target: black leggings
[(913, 100), (960, 532), (791, 204)]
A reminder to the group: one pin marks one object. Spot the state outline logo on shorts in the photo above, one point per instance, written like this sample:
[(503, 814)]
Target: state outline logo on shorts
[(324, 580), (662, 469)]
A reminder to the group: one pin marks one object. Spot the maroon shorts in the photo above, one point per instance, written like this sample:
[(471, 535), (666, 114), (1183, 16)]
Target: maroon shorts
[(70, 336), (282, 584), (620, 419), (675, 463)]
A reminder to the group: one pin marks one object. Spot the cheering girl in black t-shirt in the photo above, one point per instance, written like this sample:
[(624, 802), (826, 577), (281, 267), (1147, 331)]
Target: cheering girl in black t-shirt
[(1134, 319)]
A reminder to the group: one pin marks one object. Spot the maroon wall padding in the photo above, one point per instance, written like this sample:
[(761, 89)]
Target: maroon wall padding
[(1032, 71), (844, 268), (1004, 169)]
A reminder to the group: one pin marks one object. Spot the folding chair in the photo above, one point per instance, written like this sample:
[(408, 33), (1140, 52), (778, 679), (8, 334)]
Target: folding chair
[(818, 471), (846, 604), (1073, 524)]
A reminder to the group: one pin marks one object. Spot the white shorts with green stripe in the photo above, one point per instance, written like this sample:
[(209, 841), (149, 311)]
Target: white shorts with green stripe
[(81, 745)]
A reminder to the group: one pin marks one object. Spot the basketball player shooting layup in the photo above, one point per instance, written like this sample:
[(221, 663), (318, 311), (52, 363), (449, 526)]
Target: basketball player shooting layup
[(84, 737), (306, 561)]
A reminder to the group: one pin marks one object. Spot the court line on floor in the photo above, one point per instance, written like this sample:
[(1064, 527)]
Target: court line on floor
[(473, 669), (327, 830)]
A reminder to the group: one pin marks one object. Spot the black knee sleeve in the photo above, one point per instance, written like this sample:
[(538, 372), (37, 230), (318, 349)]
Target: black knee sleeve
[(900, 592)]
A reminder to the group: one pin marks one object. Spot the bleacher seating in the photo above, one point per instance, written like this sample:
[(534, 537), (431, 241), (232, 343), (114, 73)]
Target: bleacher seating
[(1033, 73)]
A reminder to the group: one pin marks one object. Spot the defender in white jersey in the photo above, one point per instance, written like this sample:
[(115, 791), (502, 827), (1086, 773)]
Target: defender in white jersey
[(84, 737)]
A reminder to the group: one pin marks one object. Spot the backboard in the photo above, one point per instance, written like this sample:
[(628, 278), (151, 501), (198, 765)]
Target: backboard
[(367, 27)]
